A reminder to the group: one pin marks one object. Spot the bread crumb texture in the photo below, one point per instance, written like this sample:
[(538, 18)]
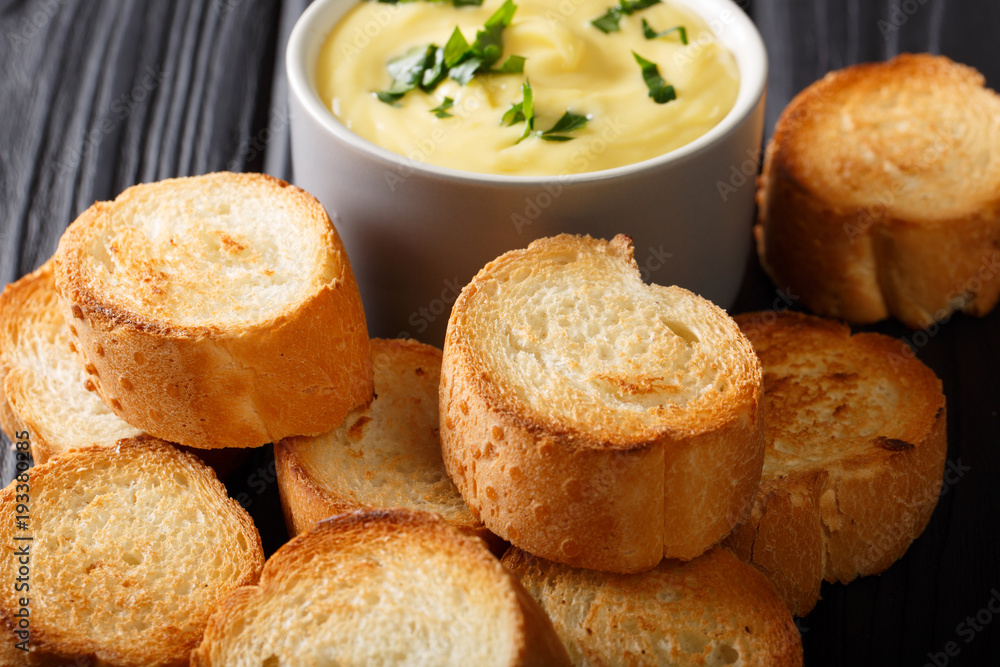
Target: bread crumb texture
[(207, 250), (44, 386), (133, 548), (216, 311), (391, 587), (386, 454), (593, 419), (568, 329), (712, 611), (855, 453)]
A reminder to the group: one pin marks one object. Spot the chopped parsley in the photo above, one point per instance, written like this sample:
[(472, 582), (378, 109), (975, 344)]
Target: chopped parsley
[(427, 66), (659, 90), (609, 21), (441, 110), (650, 33), (524, 111)]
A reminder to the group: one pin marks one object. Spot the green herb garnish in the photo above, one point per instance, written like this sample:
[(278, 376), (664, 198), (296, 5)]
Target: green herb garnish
[(650, 33), (419, 67), (427, 66), (569, 122), (659, 90), (441, 110), (524, 111), (455, 49), (513, 65), (609, 21)]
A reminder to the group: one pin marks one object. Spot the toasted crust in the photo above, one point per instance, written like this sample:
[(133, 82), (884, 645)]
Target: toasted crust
[(856, 446), (42, 390), (296, 369), (568, 476), (132, 548), (891, 222), (387, 454), (379, 587), (713, 610)]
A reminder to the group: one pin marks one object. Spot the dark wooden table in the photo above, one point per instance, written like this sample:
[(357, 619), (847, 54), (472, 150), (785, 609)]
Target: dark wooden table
[(98, 95)]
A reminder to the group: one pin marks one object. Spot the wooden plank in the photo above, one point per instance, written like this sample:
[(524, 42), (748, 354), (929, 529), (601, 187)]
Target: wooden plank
[(96, 96)]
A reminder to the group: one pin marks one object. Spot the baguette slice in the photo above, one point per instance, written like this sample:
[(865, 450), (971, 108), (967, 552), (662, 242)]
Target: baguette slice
[(381, 587), (856, 449), (903, 218), (713, 610), (132, 549), (385, 455), (595, 420), (43, 387), (216, 311), (45, 391)]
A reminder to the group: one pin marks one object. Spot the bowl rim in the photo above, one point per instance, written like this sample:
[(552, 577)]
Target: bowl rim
[(741, 37)]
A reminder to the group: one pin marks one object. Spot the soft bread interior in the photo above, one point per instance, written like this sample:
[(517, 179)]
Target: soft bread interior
[(574, 334), (46, 386), (212, 250), (389, 454), (384, 593), (713, 611), (831, 397), (133, 548)]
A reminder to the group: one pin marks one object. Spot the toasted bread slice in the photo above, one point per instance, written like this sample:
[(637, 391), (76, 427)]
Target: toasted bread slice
[(45, 391), (44, 388), (901, 218), (856, 449), (713, 610), (130, 551), (595, 420), (381, 587), (216, 311), (385, 455)]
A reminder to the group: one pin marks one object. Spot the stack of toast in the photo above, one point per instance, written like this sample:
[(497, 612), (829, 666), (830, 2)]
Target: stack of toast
[(214, 314), (665, 484)]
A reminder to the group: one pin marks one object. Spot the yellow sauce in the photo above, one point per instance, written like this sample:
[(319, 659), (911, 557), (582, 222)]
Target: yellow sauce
[(571, 65)]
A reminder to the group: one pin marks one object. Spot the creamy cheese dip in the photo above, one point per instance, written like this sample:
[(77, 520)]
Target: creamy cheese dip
[(572, 66)]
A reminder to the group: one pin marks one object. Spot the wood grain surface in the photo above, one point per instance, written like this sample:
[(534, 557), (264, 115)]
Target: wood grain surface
[(98, 95)]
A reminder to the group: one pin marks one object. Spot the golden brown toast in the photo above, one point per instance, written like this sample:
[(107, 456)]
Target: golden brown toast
[(856, 449), (593, 419), (713, 610), (381, 587), (44, 389), (880, 193), (131, 550), (216, 311), (387, 454)]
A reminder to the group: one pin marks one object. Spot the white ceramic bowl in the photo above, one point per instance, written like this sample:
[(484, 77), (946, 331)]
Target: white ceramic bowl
[(417, 233)]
